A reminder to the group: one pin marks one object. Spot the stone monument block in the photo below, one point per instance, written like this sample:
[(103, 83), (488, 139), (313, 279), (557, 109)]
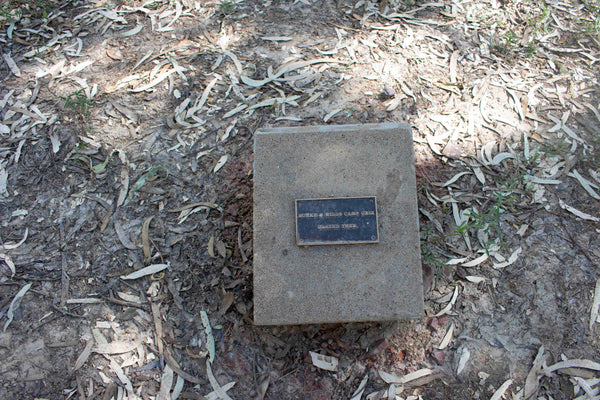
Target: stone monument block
[(336, 229)]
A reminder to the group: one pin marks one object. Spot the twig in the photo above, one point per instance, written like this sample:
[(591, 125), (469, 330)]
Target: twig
[(344, 27), (120, 302), (158, 326), (175, 367), (241, 246), (68, 313), (110, 391), (64, 278)]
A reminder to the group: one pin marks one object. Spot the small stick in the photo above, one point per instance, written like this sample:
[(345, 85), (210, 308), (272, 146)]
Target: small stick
[(64, 278), (241, 245)]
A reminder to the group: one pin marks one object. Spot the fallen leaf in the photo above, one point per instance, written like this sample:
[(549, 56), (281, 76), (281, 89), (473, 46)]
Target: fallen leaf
[(178, 388), (465, 354), (149, 270), (331, 114), (196, 205), (87, 300), (277, 38), (587, 185), (146, 239), (499, 394), (236, 110), (116, 347), (129, 297), (12, 65), (449, 306), (513, 257), (263, 387), (8, 261), (578, 363), (241, 246), (166, 382), (11, 246), (455, 178), (156, 317), (284, 69), (595, 304), (158, 80), (447, 337), (357, 395), (205, 95), (221, 249), (214, 396), (3, 182), (124, 185), (220, 163), (475, 279), (211, 246), (130, 114), (455, 261), (125, 381), (479, 174), (147, 176), (390, 378), (576, 212), (55, 143), (275, 100), (498, 158), (123, 237), (210, 339), (453, 65), (215, 385), (541, 181), (14, 304), (100, 168), (482, 258), (236, 62), (533, 377), (85, 354), (99, 337), (586, 385), (227, 299), (131, 32)]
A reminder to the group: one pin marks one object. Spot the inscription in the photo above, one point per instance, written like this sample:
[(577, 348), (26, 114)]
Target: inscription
[(348, 220)]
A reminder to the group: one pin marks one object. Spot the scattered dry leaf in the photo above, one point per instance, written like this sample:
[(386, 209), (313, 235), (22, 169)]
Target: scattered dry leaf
[(149, 270), (14, 304), (146, 239), (499, 394)]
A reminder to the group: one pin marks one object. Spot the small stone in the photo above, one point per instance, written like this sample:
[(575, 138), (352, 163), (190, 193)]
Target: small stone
[(439, 357), (452, 150), (114, 53), (434, 324), (5, 339), (387, 93)]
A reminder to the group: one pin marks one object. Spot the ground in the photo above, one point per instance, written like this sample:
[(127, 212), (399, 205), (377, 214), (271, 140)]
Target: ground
[(126, 143)]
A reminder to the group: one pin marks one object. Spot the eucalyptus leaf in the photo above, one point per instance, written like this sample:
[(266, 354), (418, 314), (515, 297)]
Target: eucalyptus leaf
[(16, 301), (100, 168), (150, 174)]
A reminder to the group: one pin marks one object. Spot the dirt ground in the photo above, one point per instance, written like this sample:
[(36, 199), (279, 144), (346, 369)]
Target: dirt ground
[(126, 131)]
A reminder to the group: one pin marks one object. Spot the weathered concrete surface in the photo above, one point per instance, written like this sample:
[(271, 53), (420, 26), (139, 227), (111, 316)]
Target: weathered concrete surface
[(339, 283)]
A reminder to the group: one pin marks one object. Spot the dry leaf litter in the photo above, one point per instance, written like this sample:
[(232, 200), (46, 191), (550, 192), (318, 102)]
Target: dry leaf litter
[(125, 195)]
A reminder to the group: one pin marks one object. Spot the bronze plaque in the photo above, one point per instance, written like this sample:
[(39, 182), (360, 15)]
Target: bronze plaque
[(341, 220)]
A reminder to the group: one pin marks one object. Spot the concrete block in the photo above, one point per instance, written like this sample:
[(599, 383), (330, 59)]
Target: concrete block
[(342, 282)]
